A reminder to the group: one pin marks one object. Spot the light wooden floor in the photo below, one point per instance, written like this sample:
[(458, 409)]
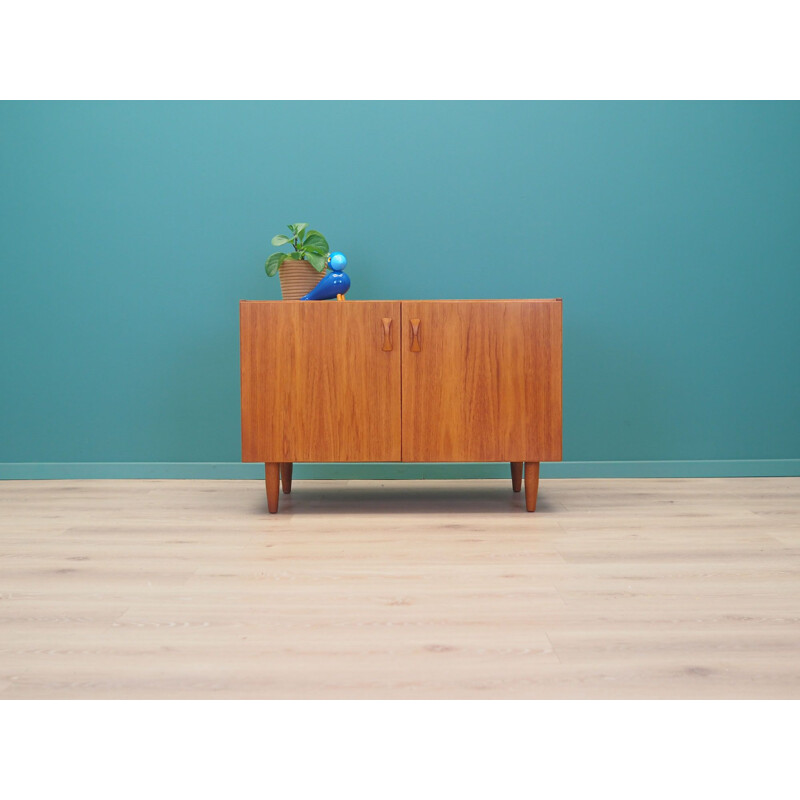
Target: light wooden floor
[(189, 589)]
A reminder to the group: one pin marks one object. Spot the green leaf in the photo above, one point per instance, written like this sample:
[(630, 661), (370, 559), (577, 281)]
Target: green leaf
[(277, 241), (299, 227), (293, 256), (317, 242), (316, 260), (273, 262)]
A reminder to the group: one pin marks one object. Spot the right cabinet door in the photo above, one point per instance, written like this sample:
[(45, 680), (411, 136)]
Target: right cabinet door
[(481, 380)]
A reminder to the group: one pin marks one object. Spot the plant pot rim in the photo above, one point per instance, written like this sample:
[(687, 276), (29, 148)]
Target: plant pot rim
[(301, 262)]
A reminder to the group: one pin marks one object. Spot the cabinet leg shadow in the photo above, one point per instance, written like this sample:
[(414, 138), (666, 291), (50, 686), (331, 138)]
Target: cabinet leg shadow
[(407, 497)]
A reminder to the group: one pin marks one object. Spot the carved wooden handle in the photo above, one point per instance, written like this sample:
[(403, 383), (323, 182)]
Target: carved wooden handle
[(415, 346), (387, 333)]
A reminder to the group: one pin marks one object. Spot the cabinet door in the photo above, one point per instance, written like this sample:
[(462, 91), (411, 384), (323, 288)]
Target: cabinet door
[(320, 381), (482, 380)]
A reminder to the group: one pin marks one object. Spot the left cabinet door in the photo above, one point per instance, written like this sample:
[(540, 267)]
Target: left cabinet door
[(320, 380)]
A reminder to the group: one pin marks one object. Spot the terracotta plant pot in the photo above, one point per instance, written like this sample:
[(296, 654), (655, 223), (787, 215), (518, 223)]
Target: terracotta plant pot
[(298, 278)]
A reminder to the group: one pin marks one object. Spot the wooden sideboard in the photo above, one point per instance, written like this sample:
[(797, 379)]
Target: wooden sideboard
[(410, 380)]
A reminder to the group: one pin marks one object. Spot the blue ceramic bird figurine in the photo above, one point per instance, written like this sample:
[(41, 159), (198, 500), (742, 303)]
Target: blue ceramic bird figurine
[(335, 284)]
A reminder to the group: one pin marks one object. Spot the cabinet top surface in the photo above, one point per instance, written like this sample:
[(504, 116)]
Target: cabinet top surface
[(409, 300)]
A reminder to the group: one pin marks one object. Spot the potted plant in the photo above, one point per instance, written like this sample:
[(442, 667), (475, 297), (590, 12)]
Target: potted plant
[(302, 269)]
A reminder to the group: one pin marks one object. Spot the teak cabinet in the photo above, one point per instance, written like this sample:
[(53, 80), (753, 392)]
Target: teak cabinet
[(418, 380)]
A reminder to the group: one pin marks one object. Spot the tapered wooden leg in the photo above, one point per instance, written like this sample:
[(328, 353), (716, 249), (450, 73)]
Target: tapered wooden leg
[(531, 484), (286, 477), (516, 475), (272, 473)]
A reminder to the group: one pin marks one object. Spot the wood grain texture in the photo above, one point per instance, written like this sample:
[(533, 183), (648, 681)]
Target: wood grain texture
[(316, 384), (662, 588), (486, 382), (665, 588)]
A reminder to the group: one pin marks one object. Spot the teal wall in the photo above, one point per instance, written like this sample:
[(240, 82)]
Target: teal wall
[(129, 231)]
